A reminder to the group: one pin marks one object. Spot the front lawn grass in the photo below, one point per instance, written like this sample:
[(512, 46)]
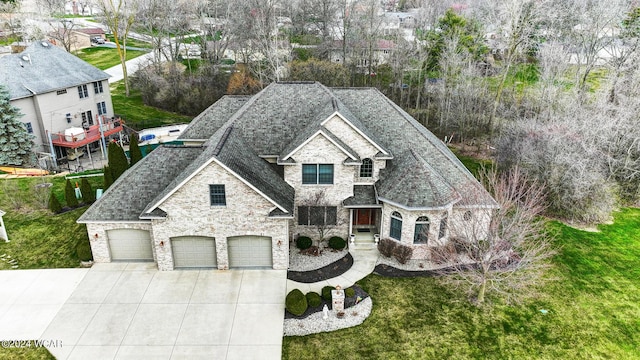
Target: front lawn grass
[(136, 114), (593, 304), (25, 353), (104, 58), (38, 239)]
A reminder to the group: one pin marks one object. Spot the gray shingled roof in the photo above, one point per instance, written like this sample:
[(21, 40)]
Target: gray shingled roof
[(229, 148), (363, 195), (401, 133), (210, 120), (412, 182), (40, 69), (126, 199)]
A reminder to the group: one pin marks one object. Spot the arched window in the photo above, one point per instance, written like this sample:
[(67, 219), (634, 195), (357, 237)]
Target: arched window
[(366, 169), (467, 215), (421, 233), (395, 230), (443, 226)]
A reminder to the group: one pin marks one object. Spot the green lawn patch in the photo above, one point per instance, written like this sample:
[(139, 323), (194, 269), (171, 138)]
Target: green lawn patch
[(104, 58), (137, 115), (593, 306), (132, 42), (39, 240), (25, 353)]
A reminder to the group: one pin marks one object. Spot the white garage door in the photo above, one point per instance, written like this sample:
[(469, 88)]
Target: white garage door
[(249, 251), (193, 252), (130, 245)]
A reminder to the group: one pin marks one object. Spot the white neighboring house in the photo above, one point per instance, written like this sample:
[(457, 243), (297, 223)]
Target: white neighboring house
[(62, 97), (3, 230)]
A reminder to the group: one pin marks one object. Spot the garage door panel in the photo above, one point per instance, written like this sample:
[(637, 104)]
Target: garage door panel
[(194, 252), (250, 251), (130, 245)]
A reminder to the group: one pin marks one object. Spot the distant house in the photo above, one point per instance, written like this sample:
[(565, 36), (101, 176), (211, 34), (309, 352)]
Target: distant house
[(256, 172), (62, 97), (358, 53), (76, 38)]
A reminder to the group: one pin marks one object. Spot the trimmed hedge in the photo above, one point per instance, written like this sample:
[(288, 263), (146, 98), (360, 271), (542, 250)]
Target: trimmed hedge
[(326, 292), (54, 203), (304, 242), (337, 243), (313, 299), (296, 302), (349, 292), (83, 250)]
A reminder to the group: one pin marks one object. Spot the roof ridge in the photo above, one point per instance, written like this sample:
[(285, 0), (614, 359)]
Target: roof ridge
[(222, 141)]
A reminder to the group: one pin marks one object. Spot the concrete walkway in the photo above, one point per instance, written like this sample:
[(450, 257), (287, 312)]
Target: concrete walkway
[(364, 261)]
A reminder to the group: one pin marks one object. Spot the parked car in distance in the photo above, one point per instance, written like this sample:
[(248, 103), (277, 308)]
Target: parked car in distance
[(97, 41)]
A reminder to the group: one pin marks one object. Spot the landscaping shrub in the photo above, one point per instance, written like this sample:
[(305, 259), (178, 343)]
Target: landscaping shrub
[(108, 177), (349, 292), (70, 195), (326, 292), (337, 243), (304, 242), (402, 253), (296, 302), (313, 299), (83, 250), (88, 196), (54, 203), (135, 154), (118, 162), (386, 246)]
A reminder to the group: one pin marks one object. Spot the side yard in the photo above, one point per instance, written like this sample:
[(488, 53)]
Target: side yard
[(104, 57), (39, 240), (592, 310)]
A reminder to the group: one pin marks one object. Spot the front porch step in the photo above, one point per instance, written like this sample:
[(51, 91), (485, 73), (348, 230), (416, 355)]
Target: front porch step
[(368, 245)]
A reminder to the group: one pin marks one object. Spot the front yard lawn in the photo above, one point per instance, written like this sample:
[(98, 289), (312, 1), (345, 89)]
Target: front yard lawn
[(103, 57), (593, 310)]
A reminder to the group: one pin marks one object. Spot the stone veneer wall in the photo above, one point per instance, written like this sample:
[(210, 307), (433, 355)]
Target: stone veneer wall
[(100, 243), (420, 251), (189, 213)]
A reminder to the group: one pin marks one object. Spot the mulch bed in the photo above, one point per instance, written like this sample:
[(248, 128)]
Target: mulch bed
[(390, 271), (332, 270), (348, 302)]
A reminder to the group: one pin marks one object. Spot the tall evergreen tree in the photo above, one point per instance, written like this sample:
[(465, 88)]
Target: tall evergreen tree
[(54, 203), (70, 195), (135, 154), (15, 140), (117, 160), (88, 196), (108, 177)]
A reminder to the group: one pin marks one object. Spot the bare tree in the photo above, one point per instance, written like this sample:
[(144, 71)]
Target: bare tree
[(61, 29), (503, 251), (119, 16), (320, 214)]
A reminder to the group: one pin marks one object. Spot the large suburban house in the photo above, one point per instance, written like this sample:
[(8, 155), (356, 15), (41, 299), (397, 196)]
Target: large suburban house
[(62, 97), (256, 172)]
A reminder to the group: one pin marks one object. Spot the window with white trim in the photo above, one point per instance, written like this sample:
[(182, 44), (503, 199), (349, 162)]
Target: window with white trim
[(82, 91), (29, 127), (421, 233), (395, 230), (317, 174), (97, 87), (102, 108), (443, 226), (366, 169), (217, 195)]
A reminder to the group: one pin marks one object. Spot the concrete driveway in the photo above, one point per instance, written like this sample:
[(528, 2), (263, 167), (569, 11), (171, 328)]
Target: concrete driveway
[(133, 311)]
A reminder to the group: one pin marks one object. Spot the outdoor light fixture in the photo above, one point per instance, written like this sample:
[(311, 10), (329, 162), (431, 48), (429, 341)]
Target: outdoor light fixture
[(95, 235), (161, 243)]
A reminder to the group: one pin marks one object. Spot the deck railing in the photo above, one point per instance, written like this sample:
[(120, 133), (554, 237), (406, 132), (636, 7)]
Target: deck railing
[(91, 134)]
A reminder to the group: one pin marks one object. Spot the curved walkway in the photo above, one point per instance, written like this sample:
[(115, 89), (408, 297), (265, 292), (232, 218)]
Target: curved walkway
[(364, 261)]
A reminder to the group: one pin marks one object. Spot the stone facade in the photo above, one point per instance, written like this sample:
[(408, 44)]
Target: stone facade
[(189, 213), (99, 239)]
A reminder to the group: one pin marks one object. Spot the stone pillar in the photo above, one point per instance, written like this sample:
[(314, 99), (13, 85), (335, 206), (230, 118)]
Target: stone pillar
[(337, 299)]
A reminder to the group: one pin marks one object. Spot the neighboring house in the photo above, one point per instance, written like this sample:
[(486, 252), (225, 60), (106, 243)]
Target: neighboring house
[(358, 53), (75, 38), (256, 172), (62, 97)]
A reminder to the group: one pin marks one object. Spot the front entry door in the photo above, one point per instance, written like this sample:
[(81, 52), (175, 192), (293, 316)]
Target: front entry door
[(364, 217)]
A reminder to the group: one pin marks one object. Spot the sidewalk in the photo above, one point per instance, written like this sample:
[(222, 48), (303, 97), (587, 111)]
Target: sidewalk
[(364, 261)]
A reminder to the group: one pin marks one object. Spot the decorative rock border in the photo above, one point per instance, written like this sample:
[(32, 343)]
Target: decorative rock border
[(332, 270), (315, 323)]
